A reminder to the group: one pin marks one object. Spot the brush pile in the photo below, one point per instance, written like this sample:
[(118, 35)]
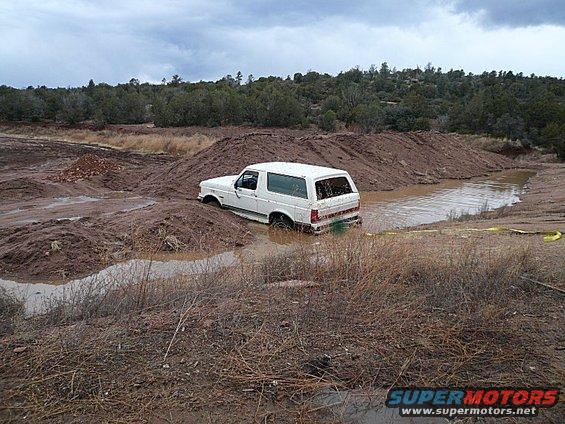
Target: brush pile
[(86, 166)]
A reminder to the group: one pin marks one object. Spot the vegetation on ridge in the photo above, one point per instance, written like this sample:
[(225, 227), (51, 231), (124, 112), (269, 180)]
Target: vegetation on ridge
[(502, 104)]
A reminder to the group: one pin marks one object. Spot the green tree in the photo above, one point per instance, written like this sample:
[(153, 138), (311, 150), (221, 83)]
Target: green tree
[(553, 135), (73, 107), (176, 80), (279, 108), (328, 121), (369, 117)]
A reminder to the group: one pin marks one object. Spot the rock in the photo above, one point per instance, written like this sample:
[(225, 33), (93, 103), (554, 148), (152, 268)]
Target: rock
[(20, 349), (207, 323), (293, 284)]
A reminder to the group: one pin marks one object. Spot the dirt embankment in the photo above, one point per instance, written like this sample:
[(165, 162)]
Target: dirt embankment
[(376, 162), (71, 209), (56, 250), (67, 210)]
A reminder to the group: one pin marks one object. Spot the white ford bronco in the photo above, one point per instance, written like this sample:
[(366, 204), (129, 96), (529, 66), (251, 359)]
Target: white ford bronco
[(287, 195)]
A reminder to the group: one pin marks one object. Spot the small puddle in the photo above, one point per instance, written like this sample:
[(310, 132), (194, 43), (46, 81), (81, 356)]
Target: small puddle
[(401, 208), (70, 208), (38, 295)]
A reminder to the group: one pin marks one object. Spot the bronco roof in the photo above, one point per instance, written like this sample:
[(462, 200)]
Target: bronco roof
[(296, 169)]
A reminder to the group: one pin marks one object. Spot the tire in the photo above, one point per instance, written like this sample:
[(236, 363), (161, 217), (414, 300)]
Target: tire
[(282, 222), (213, 202)]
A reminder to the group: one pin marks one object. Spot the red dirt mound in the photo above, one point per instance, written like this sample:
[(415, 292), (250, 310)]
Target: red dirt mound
[(183, 227), (87, 165), (382, 161), (26, 188), (54, 249), (68, 249)]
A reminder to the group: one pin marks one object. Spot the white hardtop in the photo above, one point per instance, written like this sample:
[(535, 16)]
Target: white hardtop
[(296, 169)]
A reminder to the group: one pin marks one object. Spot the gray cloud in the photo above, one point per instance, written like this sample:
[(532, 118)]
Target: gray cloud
[(515, 12), (59, 43)]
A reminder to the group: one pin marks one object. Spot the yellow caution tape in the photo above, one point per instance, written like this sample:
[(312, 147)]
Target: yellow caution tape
[(556, 235), (548, 236)]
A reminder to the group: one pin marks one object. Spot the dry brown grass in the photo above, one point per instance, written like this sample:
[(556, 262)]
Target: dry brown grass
[(11, 312), (146, 143), (385, 312), (492, 144)]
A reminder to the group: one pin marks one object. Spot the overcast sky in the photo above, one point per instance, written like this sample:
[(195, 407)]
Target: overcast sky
[(65, 43)]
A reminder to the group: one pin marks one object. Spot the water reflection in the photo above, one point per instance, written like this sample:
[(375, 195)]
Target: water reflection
[(419, 204)]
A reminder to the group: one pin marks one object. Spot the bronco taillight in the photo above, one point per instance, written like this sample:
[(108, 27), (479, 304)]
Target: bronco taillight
[(314, 216)]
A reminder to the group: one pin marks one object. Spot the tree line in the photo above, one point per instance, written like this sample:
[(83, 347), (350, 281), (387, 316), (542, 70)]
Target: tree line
[(501, 104)]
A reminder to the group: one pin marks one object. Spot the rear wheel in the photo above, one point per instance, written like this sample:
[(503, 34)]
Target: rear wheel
[(283, 222)]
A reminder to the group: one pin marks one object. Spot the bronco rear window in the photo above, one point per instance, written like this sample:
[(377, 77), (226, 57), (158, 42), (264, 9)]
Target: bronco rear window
[(332, 187), (284, 184)]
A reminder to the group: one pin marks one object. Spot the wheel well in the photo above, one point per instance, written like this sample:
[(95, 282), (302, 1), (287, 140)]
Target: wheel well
[(275, 215), (210, 198)]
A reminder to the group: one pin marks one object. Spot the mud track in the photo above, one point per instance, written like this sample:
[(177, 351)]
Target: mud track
[(60, 221)]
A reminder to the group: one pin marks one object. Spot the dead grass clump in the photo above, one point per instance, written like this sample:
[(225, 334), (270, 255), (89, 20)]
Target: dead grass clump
[(117, 296), (297, 264), (147, 143), (11, 311), (494, 144), (155, 143)]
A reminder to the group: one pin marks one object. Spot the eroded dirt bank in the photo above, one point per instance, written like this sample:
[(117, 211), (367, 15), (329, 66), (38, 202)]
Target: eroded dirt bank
[(382, 161), (70, 209)]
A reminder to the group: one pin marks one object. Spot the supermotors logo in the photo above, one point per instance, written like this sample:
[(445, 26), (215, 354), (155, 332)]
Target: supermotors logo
[(457, 402)]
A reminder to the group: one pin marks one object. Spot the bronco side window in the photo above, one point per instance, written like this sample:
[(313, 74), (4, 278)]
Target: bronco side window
[(285, 184), (247, 180)]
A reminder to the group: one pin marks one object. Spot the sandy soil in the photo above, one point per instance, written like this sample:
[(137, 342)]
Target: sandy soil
[(145, 202)]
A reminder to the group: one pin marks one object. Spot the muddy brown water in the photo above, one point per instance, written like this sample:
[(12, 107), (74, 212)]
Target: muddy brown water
[(425, 204), (406, 207)]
